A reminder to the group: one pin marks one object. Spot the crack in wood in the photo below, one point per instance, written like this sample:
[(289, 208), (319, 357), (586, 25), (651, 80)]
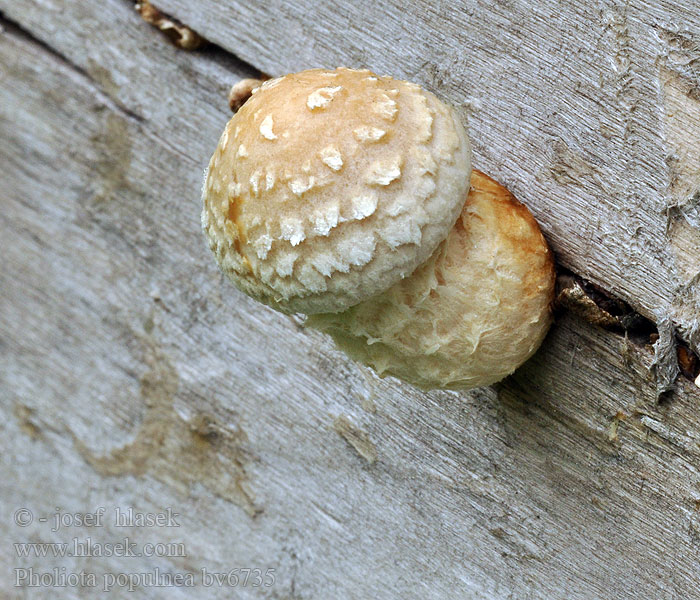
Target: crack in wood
[(178, 33), (185, 37), (602, 309)]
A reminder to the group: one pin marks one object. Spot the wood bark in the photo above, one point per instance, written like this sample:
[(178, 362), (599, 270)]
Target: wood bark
[(134, 376)]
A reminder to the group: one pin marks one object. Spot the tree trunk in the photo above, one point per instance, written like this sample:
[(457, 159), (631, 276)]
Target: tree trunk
[(135, 377)]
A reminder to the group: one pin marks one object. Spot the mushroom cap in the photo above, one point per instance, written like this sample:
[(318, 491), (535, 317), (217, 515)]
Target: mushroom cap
[(328, 187), (474, 312)]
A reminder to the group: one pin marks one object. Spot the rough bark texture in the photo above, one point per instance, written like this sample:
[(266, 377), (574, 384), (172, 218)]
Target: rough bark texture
[(133, 375)]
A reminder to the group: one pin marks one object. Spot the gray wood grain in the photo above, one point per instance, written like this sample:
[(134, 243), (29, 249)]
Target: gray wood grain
[(133, 375)]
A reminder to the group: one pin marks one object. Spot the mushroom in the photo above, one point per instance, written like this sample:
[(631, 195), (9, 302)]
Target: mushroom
[(341, 195), (327, 187), (472, 313)]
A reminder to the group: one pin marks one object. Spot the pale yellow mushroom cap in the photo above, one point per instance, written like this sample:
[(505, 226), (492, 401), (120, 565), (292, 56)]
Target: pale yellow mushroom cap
[(474, 312), (328, 187)]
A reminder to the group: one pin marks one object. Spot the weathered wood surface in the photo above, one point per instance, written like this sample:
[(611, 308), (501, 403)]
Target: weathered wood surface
[(134, 376)]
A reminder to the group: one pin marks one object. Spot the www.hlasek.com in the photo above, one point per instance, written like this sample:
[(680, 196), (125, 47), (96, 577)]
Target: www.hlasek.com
[(60, 577), (86, 547)]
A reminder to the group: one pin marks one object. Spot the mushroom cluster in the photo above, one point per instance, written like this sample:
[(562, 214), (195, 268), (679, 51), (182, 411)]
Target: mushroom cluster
[(350, 197)]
